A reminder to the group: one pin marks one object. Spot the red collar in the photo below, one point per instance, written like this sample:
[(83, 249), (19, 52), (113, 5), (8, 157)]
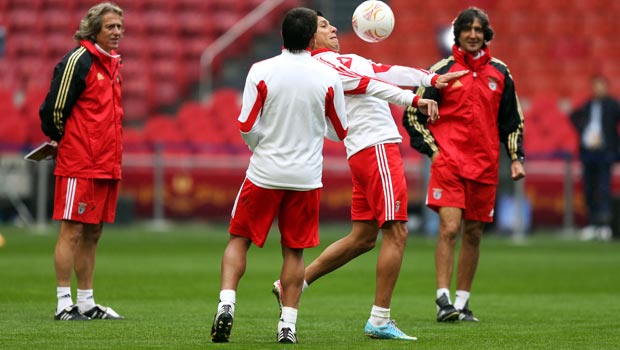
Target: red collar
[(467, 59)]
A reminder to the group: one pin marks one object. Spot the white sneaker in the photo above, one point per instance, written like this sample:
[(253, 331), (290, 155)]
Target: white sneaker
[(588, 233), (605, 233)]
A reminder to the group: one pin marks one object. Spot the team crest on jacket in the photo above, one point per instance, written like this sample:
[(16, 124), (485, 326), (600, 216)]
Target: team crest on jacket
[(346, 61), (492, 84), (81, 208), (99, 76), (437, 193)]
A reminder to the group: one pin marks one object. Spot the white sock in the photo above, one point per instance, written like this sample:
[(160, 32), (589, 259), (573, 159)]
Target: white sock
[(461, 299), (288, 318), (64, 298), (85, 299), (379, 316), (445, 291), (228, 297)]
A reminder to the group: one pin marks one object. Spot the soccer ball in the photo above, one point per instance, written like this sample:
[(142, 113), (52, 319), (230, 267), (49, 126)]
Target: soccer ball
[(373, 21)]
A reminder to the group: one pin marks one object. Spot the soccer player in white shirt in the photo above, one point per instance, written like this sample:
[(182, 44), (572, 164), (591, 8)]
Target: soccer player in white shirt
[(290, 103), (379, 187)]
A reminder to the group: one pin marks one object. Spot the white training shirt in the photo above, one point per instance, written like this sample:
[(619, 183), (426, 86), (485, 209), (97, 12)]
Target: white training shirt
[(368, 87), (290, 103)]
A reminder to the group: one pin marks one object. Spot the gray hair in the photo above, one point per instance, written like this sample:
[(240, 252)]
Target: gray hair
[(91, 24)]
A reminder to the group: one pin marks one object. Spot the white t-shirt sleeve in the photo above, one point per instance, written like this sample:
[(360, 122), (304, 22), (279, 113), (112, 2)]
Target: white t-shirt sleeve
[(358, 78), (254, 95), (403, 76), (336, 114)]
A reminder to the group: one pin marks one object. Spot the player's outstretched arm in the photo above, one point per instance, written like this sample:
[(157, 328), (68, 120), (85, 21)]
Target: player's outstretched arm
[(444, 79)]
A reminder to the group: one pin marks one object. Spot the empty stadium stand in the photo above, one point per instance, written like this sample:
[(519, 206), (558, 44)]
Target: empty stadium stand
[(552, 48)]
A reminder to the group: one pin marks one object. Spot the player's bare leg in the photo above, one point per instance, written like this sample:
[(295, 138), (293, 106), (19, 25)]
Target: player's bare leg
[(292, 276), (361, 239), (469, 255), (449, 225), (380, 325), (389, 261), (468, 263), (85, 254), (234, 261), (66, 246), (292, 280)]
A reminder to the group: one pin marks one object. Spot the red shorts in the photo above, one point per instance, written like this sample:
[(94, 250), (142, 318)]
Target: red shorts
[(379, 185), (90, 201), (447, 189), (255, 209)]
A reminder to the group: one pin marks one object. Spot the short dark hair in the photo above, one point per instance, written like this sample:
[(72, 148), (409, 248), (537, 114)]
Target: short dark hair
[(466, 19), (298, 28)]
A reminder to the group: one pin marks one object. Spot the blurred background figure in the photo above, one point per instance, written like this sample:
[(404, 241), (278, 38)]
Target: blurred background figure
[(597, 122)]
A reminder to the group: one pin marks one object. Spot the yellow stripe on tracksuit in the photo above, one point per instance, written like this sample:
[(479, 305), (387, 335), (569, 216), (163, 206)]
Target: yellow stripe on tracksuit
[(411, 111), (413, 121), (65, 83)]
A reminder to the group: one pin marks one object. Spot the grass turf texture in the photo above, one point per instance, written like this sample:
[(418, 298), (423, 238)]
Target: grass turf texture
[(548, 293)]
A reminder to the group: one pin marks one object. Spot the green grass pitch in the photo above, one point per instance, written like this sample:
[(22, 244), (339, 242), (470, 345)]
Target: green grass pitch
[(548, 293)]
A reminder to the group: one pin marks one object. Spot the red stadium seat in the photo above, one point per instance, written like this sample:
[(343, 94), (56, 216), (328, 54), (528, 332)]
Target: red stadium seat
[(7, 101), (192, 23), (134, 141), (162, 128), (14, 131), (191, 111), (57, 44), (54, 20), (165, 46), (159, 21), (199, 6)]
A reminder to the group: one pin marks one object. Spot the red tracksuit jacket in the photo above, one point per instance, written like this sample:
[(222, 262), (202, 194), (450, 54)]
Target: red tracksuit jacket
[(477, 112), (82, 111)]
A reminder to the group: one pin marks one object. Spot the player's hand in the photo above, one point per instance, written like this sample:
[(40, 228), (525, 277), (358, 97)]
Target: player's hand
[(517, 172), (444, 79), (430, 108), (53, 152)]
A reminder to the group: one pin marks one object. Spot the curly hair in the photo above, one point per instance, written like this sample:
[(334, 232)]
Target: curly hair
[(91, 24), (466, 19)]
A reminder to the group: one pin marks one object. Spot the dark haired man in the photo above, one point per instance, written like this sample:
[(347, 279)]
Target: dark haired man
[(597, 123), (379, 201), (290, 103), (478, 111)]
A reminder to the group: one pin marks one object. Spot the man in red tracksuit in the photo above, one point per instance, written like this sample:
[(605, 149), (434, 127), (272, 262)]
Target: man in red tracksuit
[(82, 114), (477, 112)]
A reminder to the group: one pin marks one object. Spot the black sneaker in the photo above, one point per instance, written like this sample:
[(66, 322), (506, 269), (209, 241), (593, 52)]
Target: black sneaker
[(467, 315), (287, 336), (71, 313), (222, 324), (102, 313), (446, 312)]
